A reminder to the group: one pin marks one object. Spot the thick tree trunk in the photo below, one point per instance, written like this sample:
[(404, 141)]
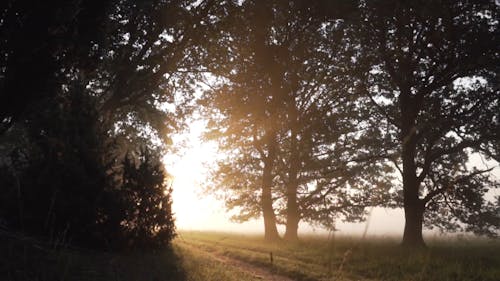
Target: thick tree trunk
[(414, 213), (270, 229), (292, 217), (292, 207), (413, 205)]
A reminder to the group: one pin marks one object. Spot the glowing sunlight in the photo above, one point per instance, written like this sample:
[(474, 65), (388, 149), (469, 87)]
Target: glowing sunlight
[(193, 209), (196, 210)]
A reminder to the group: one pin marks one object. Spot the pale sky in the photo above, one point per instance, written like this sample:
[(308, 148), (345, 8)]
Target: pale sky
[(195, 210)]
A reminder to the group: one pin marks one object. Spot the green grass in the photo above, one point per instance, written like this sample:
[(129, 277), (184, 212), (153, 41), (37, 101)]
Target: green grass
[(320, 258), (196, 256)]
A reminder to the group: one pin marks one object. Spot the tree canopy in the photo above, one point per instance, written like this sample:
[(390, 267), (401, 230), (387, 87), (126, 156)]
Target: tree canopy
[(431, 73), (84, 88), (286, 119)]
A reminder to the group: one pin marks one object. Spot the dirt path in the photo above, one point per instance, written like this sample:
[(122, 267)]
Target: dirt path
[(248, 268)]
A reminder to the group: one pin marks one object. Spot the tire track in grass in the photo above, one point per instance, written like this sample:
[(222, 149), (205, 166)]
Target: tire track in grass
[(250, 269), (314, 271), (278, 253)]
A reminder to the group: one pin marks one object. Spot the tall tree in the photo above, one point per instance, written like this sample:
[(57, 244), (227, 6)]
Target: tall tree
[(123, 58), (144, 65), (282, 108), (321, 174), (430, 70), (245, 109)]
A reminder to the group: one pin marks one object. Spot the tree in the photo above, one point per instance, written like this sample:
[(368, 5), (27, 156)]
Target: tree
[(244, 111), (281, 109), (58, 171), (91, 91), (65, 184), (324, 178), (65, 33), (429, 69), (145, 63), (148, 218)]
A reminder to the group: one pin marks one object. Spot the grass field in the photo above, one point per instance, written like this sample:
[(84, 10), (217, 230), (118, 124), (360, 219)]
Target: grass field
[(206, 256), (345, 258)]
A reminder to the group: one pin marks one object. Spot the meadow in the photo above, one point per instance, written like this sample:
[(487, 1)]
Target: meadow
[(350, 258), (212, 256)]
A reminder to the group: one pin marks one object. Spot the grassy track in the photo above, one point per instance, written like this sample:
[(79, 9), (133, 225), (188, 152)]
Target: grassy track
[(344, 258), (199, 265)]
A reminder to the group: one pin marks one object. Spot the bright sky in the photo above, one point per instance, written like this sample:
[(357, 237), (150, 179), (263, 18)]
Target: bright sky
[(197, 211)]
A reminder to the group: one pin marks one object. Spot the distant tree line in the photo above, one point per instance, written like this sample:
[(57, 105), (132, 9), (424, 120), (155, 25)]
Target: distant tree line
[(320, 109)]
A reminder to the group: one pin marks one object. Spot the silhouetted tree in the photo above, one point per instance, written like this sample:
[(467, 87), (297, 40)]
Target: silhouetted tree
[(430, 70), (66, 184), (148, 220), (82, 82), (284, 118), (244, 111), (144, 66), (59, 172), (38, 41), (321, 152)]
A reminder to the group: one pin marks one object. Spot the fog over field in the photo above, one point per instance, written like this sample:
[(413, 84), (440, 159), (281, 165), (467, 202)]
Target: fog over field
[(196, 210)]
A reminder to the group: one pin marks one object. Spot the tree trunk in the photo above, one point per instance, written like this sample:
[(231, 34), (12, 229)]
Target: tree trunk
[(414, 214), (270, 229), (413, 205), (292, 208), (293, 216)]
